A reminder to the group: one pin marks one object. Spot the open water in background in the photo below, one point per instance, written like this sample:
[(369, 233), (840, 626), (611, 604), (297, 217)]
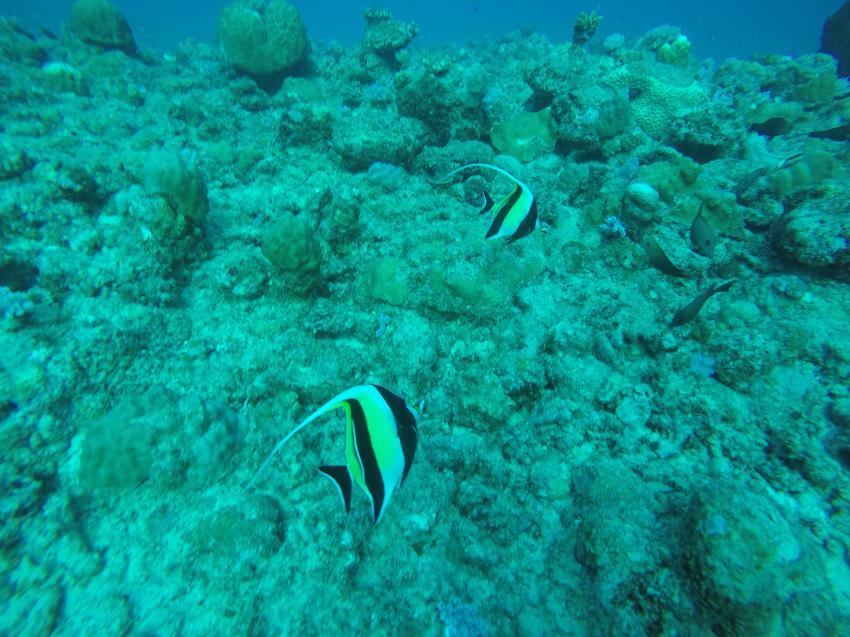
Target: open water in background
[(717, 28)]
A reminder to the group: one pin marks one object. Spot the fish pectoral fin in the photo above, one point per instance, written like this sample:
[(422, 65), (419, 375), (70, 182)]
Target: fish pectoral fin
[(488, 203), (341, 477)]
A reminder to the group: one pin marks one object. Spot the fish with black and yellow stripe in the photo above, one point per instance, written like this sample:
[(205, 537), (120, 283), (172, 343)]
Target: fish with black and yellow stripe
[(381, 432), (514, 216)]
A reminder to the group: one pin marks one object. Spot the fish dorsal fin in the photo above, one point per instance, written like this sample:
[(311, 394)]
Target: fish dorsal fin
[(333, 403), (501, 171), (341, 477)]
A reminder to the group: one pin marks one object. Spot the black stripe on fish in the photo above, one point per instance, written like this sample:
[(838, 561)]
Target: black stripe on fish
[(503, 212), (405, 425), (529, 223), (366, 455), (488, 203), (341, 477)]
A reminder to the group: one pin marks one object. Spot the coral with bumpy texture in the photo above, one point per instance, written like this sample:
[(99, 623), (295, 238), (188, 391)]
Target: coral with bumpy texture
[(291, 245), (367, 135), (98, 22), (816, 233), (13, 160), (384, 34), (263, 41), (172, 174), (659, 102)]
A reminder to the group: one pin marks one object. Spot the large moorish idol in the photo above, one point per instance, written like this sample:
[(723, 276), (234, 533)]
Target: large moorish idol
[(514, 215), (380, 441)]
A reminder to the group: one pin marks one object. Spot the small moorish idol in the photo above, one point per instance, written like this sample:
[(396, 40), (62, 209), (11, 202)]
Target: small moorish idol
[(515, 215), (380, 440)]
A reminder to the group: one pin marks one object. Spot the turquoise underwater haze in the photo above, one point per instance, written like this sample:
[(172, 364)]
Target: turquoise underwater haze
[(445, 319), (719, 28)]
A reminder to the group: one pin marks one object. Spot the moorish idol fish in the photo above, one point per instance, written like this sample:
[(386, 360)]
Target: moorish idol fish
[(515, 215), (380, 440)]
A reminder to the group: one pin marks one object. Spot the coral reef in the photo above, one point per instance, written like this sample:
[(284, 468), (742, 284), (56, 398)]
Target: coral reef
[(200, 248)]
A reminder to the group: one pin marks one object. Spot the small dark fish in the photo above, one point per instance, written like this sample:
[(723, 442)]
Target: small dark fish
[(689, 312), (789, 161), (772, 127), (748, 180), (48, 33), (658, 259), (838, 134), (17, 28), (703, 238)]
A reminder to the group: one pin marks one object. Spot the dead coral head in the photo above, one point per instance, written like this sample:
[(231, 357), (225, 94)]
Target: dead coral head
[(585, 26), (384, 34)]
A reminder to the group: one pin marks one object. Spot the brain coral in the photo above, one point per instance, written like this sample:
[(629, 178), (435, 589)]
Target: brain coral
[(659, 102), (262, 39)]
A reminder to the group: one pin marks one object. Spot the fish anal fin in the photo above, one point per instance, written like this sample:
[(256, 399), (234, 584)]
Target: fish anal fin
[(341, 477)]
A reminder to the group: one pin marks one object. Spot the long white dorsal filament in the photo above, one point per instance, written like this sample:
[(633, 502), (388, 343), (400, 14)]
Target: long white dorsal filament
[(331, 404), (501, 171)]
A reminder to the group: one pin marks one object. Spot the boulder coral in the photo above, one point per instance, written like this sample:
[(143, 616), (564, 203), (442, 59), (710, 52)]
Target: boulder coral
[(263, 40), (98, 22), (291, 245)]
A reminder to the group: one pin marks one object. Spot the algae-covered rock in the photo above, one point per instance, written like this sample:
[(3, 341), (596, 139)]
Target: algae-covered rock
[(484, 288), (14, 160), (262, 38), (174, 174), (743, 553), (526, 136), (385, 279), (615, 532), (252, 529), (63, 77), (98, 22), (16, 47), (291, 245), (368, 135), (816, 233), (305, 124), (157, 437)]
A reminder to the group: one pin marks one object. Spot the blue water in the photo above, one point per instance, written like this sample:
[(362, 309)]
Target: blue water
[(717, 28)]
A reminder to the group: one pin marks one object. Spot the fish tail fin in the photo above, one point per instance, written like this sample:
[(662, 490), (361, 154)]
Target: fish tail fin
[(724, 287), (341, 477)]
